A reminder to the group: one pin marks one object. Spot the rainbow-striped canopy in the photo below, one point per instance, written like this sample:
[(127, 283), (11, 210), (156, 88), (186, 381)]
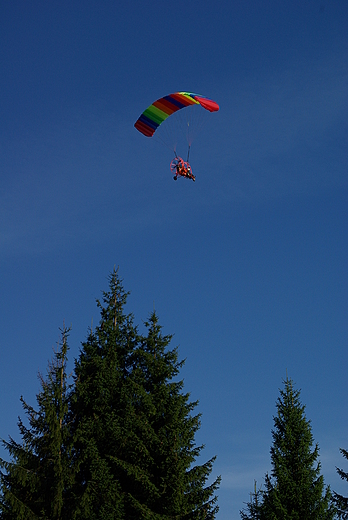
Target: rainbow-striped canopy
[(158, 112)]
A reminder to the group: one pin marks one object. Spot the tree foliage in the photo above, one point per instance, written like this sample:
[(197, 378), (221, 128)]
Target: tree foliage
[(34, 483), (295, 489), (340, 501), (133, 427), (119, 443)]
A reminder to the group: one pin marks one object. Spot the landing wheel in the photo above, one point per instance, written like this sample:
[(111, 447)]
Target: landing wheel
[(175, 178)]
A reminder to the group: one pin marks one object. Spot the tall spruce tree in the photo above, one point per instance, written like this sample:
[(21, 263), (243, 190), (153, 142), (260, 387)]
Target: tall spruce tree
[(134, 433), (34, 483), (102, 420), (340, 501), (295, 489), (176, 487)]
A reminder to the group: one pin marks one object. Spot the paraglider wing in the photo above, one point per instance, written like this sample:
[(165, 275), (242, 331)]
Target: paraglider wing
[(164, 107)]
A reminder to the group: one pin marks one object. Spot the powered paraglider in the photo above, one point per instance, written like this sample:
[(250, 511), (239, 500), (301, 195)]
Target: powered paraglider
[(157, 113)]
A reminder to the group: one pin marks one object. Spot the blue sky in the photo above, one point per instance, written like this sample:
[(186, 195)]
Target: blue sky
[(246, 266)]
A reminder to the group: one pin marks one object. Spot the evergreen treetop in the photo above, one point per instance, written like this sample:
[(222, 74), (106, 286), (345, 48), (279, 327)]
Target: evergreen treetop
[(133, 427), (295, 489), (35, 481)]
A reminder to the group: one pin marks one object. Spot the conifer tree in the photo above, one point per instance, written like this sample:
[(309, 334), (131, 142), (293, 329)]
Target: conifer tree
[(101, 408), (253, 509), (134, 434), (340, 501), (35, 482), (176, 488), (295, 489)]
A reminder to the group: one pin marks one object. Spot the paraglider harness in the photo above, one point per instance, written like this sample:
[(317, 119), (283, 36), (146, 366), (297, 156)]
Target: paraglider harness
[(181, 168)]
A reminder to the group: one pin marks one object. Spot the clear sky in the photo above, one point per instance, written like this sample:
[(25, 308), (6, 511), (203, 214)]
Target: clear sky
[(247, 266)]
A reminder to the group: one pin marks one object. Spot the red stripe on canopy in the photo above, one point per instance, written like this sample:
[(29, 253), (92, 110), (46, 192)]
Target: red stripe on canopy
[(144, 129), (165, 106)]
